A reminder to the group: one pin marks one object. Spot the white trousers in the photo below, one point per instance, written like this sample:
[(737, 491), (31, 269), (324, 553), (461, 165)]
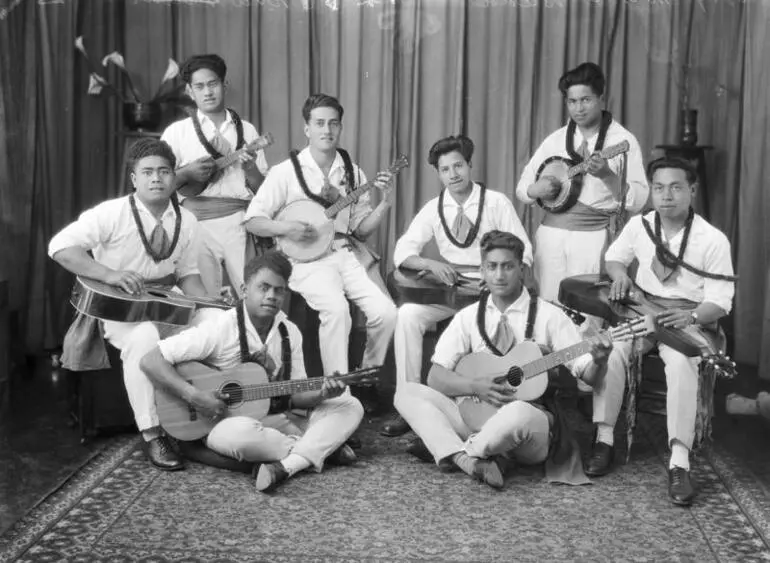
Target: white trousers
[(412, 323), (681, 382), (223, 245), (327, 284), (134, 340), (560, 253), (518, 429), (274, 437)]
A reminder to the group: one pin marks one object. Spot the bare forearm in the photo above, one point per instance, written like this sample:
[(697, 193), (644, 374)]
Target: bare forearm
[(264, 227), (164, 375), (416, 262), (80, 263), (615, 269), (709, 313), (372, 221), (449, 382)]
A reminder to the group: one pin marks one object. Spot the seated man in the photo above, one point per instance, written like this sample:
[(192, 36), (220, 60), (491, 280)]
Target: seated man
[(257, 330), (136, 239), (472, 211), (518, 428), (687, 262)]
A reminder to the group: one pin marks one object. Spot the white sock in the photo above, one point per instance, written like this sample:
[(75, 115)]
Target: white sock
[(680, 456), (605, 433), (151, 433), (294, 463)]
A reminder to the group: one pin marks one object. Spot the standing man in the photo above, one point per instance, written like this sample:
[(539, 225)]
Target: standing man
[(572, 243), (211, 132)]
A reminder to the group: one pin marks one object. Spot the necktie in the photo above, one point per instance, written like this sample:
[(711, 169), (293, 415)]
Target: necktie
[(461, 226), (266, 361), (504, 338), (329, 192), (159, 240), (221, 144), (661, 271), (583, 150)]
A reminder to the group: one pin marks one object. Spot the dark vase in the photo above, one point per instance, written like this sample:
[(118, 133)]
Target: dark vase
[(688, 133), (141, 117)]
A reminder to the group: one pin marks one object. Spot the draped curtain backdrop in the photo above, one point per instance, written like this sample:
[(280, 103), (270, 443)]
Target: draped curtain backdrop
[(407, 72)]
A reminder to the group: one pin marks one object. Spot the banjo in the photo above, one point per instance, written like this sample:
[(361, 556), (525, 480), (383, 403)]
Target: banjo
[(567, 174), (311, 213)]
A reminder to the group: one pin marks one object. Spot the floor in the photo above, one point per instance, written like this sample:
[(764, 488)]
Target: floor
[(40, 448)]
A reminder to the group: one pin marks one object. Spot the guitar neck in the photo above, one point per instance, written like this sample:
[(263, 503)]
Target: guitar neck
[(291, 386), (609, 152)]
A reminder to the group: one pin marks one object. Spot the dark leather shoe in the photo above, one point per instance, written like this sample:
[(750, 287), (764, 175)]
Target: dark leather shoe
[(396, 426), (269, 476), (680, 488), (344, 455), (419, 450), (162, 455), (354, 442), (601, 460), (488, 471)]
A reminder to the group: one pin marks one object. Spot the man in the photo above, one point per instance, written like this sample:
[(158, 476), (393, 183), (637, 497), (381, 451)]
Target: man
[(518, 429), (211, 132), (257, 330), (572, 242), (322, 173), (143, 237), (686, 264), (457, 220)]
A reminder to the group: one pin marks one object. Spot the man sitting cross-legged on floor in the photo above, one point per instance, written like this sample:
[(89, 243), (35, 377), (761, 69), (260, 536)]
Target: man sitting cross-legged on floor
[(518, 428), (257, 330)]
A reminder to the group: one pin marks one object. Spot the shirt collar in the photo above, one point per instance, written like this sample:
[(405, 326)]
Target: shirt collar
[(143, 209), (203, 119), (306, 160), (449, 201), (280, 316), (521, 304)]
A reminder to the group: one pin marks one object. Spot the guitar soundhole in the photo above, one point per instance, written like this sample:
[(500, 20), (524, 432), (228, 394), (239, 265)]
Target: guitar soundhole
[(235, 394), (515, 376)]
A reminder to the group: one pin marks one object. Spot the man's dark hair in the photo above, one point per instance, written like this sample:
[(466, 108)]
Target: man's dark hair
[(673, 162), (214, 63), (501, 239), (149, 146), (321, 101), (588, 74), (273, 260), (459, 143)]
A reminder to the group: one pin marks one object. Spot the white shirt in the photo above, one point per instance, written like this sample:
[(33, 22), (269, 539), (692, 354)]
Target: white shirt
[(110, 232), (707, 249), (498, 214), (281, 188), (595, 193), (553, 329), (187, 148), (216, 342)]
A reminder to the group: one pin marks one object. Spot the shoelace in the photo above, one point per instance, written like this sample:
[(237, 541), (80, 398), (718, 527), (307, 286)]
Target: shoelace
[(677, 475)]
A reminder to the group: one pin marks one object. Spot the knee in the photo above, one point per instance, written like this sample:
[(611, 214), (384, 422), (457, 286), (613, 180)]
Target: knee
[(143, 338), (387, 313), (409, 317), (407, 393), (520, 413), (232, 436), (348, 404), (335, 311)]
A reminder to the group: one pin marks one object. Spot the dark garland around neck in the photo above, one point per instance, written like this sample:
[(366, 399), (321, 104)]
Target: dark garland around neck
[(572, 127), (474, 231), (142, 235), (349, 174), (214, 153), (668, 259), (481, 321)]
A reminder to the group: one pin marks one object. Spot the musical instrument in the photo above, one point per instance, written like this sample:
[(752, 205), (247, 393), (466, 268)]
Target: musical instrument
[(525, 369), (154, 303), (590, 294), (192, 187), (568, 174), (421, 286), (248, 389), (311, 213)]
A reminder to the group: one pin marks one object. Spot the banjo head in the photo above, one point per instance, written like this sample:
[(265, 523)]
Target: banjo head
[(309, 212), (556, 168)]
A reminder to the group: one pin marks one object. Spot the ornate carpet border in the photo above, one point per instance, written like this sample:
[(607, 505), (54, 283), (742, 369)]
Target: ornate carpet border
[(46, 513)]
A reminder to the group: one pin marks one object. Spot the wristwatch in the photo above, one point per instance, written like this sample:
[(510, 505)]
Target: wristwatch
[(694, 318)]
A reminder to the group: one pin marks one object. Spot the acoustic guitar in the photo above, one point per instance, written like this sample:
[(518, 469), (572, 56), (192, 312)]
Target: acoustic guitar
[(590, 294), (248, 389), (154, 303), (311, 213), (525, 369), (421, 286), (566, 173), (192, 188)]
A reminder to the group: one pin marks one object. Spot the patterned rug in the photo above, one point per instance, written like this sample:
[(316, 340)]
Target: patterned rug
[(392, 507)]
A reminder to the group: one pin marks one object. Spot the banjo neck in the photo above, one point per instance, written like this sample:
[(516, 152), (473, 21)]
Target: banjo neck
[(609, 152)]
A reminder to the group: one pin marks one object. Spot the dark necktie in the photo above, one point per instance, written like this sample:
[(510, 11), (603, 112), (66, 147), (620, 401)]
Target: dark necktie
[(159, 240), (461, 226), (504, 337)]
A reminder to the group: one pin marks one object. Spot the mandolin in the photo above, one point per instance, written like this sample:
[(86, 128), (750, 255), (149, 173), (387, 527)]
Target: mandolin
[(525, 369), (569, 176), (249, 392), (192, 188)]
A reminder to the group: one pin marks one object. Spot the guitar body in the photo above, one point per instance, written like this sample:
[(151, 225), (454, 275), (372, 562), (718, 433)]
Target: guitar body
[(409, 286), (480, 364), (306, 211), (590, 294), (109, 303), (183, 422), (558, 167)]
